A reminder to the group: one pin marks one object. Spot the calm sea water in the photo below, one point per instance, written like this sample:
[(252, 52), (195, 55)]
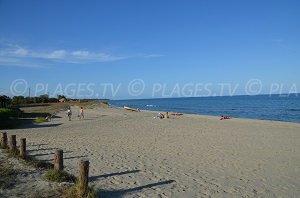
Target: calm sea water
[(262, 107)]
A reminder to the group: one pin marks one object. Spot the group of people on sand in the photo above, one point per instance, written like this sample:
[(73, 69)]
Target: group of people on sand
[(69, 113), (162, 116), (159, 116), (167, 115)]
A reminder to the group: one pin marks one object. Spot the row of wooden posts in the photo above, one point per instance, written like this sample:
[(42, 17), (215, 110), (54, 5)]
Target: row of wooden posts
[(58, 158)]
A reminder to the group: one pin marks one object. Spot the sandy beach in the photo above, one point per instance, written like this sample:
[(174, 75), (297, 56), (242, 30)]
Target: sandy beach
[(132, 154)]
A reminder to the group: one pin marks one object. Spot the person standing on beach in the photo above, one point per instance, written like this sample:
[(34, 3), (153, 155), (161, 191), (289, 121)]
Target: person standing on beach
[(167, 115), (69, 113), (81, 115)]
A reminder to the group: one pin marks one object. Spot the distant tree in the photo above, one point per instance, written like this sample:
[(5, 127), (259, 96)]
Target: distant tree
[(53, 100), (44, 98), (17, 100), (4, 101), (29, 100)]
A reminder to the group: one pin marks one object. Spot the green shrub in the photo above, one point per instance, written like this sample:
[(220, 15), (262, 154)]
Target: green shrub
[(31, 161), (40, 120), (59, 176), (13, 153), (6, 113), (75, 192)]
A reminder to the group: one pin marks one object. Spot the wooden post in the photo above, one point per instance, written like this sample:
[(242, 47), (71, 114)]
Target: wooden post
[(12, 142), (23, 148), (4, 139), (84, 177), (59, 160)]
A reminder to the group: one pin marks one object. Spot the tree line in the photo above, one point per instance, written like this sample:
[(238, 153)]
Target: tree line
[(6, 101)]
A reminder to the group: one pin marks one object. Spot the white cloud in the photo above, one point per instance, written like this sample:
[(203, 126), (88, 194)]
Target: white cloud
[(57, 54), (19, 63), (76, 57), (81, 53), (15, 55), (21, 52)]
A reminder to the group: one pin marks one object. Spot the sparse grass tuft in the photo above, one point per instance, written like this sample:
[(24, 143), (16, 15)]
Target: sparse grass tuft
[(75, 192), (37, 163), (3, 146), (69, 192), (13, 153), (7, 176), (40, 120), (59, 176)]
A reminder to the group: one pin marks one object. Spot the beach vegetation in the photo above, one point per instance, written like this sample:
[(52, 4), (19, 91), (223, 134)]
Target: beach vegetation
[(13, 153), (8, 117), (31, 161), (5, 101), (7, 175), (59, 176), (40, 120), (3, 146), (21, 100), (76, 192), (7, 113)]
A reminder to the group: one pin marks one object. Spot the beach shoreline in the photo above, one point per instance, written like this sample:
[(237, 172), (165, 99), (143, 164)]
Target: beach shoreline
[(219, 117), (261, 107)]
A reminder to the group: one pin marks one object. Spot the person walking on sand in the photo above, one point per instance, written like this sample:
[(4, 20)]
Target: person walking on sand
[(81, 115), (69, 113)]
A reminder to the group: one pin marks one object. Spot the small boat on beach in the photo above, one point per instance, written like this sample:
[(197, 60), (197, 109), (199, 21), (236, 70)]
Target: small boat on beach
[(131, 109)]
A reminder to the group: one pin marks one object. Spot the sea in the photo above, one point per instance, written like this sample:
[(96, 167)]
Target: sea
[(261, 107)]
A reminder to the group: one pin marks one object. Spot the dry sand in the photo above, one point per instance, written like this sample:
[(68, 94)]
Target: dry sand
[(133, 155), (21, 180)]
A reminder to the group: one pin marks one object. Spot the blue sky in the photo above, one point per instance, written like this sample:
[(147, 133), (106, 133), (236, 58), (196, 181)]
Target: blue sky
[(58, 46)]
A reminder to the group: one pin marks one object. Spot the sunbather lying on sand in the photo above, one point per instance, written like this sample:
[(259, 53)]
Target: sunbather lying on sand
[(162, 116), (225, 117), (176, 114)]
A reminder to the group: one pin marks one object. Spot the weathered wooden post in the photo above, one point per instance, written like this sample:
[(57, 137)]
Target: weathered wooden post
[(84, 177), (4, 139), (59, 160), (23, 148), (13, 142)]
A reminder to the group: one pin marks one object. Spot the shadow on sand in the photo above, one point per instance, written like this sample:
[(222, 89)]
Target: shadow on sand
[(74, 157), (45, 125), (35, 105), (33, 126), (49, 160), (38, 145), (52, 153), (41, 149), (123, 192), (47, 149), (95, 178)]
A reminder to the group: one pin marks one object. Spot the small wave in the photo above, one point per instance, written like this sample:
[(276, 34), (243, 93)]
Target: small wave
[(149, 105)]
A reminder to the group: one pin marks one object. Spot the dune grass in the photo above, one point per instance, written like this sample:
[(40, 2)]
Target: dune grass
[(69, 192), (75, 192), (40, 120), (59, 176), (7, 175)]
